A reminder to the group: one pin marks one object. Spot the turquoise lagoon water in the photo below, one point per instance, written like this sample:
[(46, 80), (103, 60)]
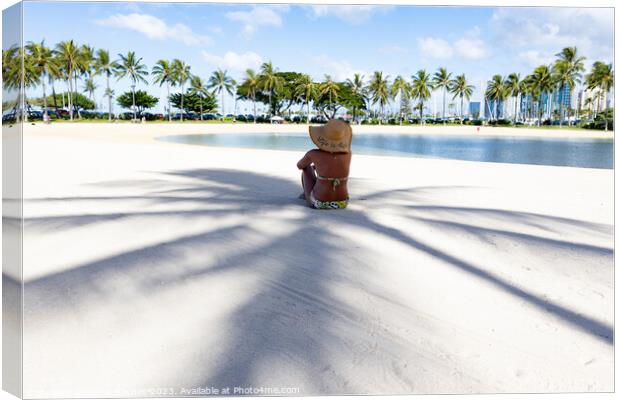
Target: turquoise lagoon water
[(584, 153)]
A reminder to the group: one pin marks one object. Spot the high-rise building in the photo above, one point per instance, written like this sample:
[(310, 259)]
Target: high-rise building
[(526, 106), (594, 100), (530, 106), (474, 109), (490, 110), (562, 96)]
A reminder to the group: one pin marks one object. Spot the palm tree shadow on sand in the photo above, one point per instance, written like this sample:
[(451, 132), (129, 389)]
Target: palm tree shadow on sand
[(283, 319)]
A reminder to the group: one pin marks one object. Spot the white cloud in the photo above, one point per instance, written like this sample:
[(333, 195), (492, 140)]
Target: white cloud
[(469, 46), (435, 48), (339, 70), (548, 30), (257, 17), (155, 28), (351, 14), (233, 61), (534, 58)]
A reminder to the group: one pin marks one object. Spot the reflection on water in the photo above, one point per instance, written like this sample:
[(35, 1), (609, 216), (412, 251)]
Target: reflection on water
[(586, 153)]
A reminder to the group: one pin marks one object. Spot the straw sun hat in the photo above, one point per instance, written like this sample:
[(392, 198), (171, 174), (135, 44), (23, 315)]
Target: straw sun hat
[(335, 136)]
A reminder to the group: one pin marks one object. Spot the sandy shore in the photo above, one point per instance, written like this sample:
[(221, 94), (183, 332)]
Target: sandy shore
[(157, 265)]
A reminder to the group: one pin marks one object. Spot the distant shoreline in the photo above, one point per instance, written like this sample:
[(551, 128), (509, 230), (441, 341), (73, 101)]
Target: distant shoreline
[(147, 132)]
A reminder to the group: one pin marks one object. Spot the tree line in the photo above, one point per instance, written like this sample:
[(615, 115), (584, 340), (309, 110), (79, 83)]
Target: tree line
[(561, 77), (67, 63)]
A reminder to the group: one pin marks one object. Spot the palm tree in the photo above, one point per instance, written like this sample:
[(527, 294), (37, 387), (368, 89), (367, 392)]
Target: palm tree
[(163, 72), (564, 78), (221, 83), (132, 67), (67, 54), (330, 88), (462, 89), (307, 90), (357, 87), (496, 91), (235, 85), (181, 74), (540, 82), (270, 81), (12, 75), (251, 83), (31, 75), (400, 88), (198, 87), (588, 104), (85, 62), (11, 68), (441, 80), (515, 87), (421, 89), (569, 67), (54, 74), (601, 78), (90, 87), (44, 63), (104, 65), (379, 88)]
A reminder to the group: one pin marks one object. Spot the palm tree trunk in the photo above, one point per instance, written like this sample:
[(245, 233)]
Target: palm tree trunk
[(223, 115), (76, 95), (605, 115), (560, 101), (44, 97), (330, 99), (514, 119), (461, 110), (308, 116), (109, 97), (25, 106), (54, 96), (200, 107), (444, 106), (168, 92), (70, 99), (182, 98), (401, 109), (133, 100), (254, 103)]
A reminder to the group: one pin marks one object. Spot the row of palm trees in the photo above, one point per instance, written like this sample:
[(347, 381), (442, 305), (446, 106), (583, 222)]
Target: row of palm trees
[(68, 63), (561, 77), (378, 91)]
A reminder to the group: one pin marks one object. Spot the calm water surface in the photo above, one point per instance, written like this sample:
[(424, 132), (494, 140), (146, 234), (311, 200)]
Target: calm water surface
[(585, 153)]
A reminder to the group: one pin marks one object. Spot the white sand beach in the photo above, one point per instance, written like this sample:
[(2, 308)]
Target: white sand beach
[(157, 266)]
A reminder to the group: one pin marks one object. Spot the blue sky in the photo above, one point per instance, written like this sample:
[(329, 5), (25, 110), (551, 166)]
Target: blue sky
[(319, 40)]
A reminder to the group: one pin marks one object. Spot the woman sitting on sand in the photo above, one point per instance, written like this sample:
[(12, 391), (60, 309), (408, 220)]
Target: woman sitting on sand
[(326, 169)]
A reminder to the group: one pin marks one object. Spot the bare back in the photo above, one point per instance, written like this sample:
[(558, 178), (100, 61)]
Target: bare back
[(330, 165)]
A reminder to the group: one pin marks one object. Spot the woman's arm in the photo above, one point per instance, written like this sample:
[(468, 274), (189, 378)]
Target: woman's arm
[(305, 161)]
